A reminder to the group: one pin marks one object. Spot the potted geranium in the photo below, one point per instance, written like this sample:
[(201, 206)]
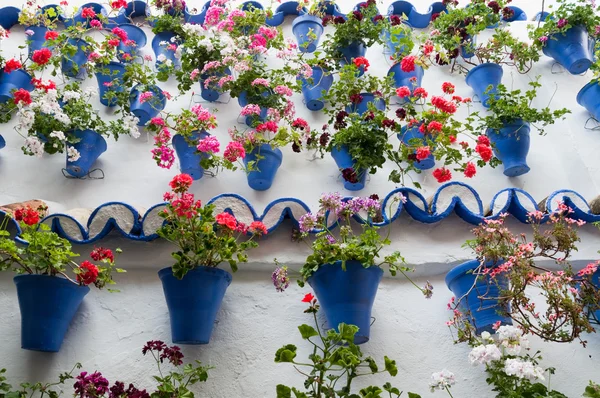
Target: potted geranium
[(325, 371), (568, 34), (50, 284), (194, 287), (308, 26), (345, 268), (497, 288), (15, 81), (167, 26), (508, 124)]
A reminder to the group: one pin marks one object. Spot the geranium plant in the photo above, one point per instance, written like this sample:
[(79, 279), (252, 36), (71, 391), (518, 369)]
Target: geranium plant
[(46, 253), (334, 364), (8, 107), (203, 238), (508, 263)]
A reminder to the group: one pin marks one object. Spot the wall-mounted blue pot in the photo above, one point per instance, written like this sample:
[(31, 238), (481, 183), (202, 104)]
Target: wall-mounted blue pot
[(188, 155), (571, 49), (518, 15), (511, 146), (48, 304), (14, 80), (2, 142), (589, 98), (211, 94), (407, 134), (596, 282), (78, 18), (344, 160), (112, 74), (483, 314), (271, 158), (481, 77), (37, 40), (196, 19), (149, 109), (135, 34), (314, 90), (308, 30), (249, 5), (467, 49), (194, 302), (351, 51), (165, 37), (137, 9), (403, 79), (363, 105), (347, 296), (253, 120), (90, 147), (9, 17), (72, 66), (415, 18)]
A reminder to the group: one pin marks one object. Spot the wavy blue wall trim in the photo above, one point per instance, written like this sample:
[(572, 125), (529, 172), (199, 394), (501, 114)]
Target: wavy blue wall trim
[(451, 198)]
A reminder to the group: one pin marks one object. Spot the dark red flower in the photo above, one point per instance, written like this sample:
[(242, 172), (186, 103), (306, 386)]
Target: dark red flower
[(295, 147), (350, 175), (339, 20), (357, 15), (494, 6), (395, 20), (100, 253), (324, 139), (88, 273), (377, 18), (173, 354), (356, 98), (401, 113), (508, 13)]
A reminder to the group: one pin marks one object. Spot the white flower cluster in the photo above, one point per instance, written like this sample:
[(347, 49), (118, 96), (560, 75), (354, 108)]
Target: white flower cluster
[(130, 122), (70, 95), (484, 354), (512, 339), (193, 29), (72, 154), (33, 146), (442, 380), (523, 369)]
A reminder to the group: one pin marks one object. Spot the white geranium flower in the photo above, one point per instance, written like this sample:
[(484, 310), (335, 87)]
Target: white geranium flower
[(72, 154), (161, 58), (33, 146), (523, 369), (442, 380), (484, 354), (58, 134)]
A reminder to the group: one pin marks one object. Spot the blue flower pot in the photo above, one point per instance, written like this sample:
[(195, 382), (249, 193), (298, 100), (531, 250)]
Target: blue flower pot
[(48, 304), (541, 16), (196, 19), (304, 27), (162, 50), (73, 66), (211, 94), (188, 155), (347, 296), (392, 42), (596, 282), (9, 17), (313, 92), (133, 33), (262, 179), (467, 49), (78, 19), (408, 134), (90, 147), (14, 80), (353, 50), (511, 145), (481, 77), (344, 160), (460, 280), (113, 72), (571, 49), (2, 142), (137, 8), (363, 105), (250, 5), (589, 98), (52, 8), (149, 109), (253, 120), (37, 40), (194, 302), (519, 15), (402, 79)]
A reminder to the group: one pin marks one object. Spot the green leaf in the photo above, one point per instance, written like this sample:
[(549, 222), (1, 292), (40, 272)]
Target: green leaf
[(286, 353), (283, 391), (307, 331), (413, 395), (390, 366)]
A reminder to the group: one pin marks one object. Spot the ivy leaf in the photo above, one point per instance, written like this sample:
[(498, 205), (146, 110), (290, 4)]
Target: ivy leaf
[(307, 331), (286, 353)]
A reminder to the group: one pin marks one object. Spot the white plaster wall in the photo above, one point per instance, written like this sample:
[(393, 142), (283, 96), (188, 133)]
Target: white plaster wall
[(110, 329)]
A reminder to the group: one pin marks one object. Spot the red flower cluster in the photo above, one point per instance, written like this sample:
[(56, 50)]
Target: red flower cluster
[(408, 63), (403, 91), (41, 56), (420, 92), (361, 61), (88, 273), (51, 35), (443, 105), (100, 253), (484, 151), (257, 227), (448, 88), (22, 96), (423, 153), (88, 13), (113, 42), (181, 183), (434, 125), (12, 64), (267, 126), (38, 84), (184, 205), (120, 33), (300, 124), (470, 170), (28, 215), (227, 220), (116, 4), (442, 174)]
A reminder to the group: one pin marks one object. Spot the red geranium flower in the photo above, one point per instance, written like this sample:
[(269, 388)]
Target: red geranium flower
[(470, 170), (88, 273), (434, 125), (51, 35), (308, 298), (258, 228), (484, 151), (483, 140), (442, 174), (403, 91), (116, 4), (28, 215), (423, 153), (41, 56), (100, 253), (22, 95), (408, 63), (448, 88), (181, 182), (12, 64), (361, 61), (88, 13), (420, 92), (227, 220)]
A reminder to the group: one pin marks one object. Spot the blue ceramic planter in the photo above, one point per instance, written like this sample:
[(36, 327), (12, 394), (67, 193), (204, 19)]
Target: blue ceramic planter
[(211, 94), (313, 91), (9, 17), (249, 5), (159, 50), (571, 49), (149, 109), (14, 80), (596, 282), (262, 179), (403, 79), (415, 18), (73, 66), (137, 9), (347, 296), (2, 142), (460, 280), (78, 19), (519, 15), (363, 105), (37, 40), (111, 73), (138, 36), (344, 160), (196, 19), (511, 146), (188, 155), (392, 42), (48, 304), (90, 147), (481, 77), (589, 98), (253, 120), (467, 48), (194, 302), (283, 10), (304, 27), (541, 16), (348, 53), (408, 134)]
